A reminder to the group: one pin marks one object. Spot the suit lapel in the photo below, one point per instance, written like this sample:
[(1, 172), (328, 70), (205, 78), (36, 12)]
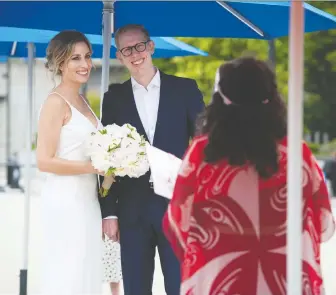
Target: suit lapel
[(132, 111), (164, 111)]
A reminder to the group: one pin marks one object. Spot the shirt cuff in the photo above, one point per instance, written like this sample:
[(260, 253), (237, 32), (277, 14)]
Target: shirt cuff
[(111, 217)]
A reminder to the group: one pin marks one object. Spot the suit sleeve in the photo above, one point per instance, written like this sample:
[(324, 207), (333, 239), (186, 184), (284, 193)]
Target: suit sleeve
[(195, 105), (109, 204)]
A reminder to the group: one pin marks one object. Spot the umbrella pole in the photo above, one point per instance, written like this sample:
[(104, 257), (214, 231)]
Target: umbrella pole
[(8, 119), (24, 268), (107, 36), (295, 132)]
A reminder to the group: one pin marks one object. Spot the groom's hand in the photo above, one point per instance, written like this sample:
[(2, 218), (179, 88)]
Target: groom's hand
[(111, 229)]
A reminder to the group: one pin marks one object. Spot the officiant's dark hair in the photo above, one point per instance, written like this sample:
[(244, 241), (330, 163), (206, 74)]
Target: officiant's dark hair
[(60, 48), (246, 118), (130, 27)]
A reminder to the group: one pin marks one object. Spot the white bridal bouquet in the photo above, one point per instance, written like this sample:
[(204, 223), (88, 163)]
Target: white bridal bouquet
[(118, 151)]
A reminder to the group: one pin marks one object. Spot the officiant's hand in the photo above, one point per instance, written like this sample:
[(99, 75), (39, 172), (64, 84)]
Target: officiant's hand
[(111, 229)]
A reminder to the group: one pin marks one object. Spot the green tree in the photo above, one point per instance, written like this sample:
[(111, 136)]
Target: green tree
[(320, 77), (203, 69)]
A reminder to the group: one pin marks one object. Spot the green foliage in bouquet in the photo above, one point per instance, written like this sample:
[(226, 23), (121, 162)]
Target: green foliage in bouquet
[(112, 171)]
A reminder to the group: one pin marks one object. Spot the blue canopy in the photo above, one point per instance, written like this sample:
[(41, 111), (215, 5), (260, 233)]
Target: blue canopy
[(13, 42), (3, 59), (165, 18)]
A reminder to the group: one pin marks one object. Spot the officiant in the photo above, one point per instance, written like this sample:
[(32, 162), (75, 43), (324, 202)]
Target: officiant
[(163, 108)]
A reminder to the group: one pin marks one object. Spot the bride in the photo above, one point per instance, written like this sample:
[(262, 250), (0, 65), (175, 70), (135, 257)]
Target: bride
[(71, 216)]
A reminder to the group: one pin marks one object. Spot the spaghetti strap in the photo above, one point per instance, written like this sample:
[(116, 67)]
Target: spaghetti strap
[(60, 95), (86, 102), (96, 124), (88, 105)]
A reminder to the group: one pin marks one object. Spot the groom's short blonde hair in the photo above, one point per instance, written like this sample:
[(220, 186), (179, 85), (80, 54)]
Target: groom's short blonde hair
[(130, 27)]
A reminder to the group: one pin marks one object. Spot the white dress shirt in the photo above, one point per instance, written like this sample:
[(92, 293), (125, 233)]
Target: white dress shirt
[(147, 103)]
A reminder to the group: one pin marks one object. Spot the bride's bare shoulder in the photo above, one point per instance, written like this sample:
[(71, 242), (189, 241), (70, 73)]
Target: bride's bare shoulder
[(53, 104)]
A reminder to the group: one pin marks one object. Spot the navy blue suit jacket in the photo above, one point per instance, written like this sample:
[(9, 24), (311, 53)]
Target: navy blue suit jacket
[(180, 103)]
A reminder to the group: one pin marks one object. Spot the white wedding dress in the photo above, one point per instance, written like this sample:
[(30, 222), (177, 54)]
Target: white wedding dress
[(71, 219)]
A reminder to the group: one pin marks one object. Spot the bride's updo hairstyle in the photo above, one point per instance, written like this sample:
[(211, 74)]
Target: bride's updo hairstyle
[(60, 48)]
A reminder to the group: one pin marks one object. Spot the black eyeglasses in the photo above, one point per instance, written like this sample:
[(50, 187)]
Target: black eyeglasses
[(139, 47)]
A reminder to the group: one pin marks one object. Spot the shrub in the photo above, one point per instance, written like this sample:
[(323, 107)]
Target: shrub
[(314, 147)]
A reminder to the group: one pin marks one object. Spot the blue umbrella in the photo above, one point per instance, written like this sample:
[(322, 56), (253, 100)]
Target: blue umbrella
[(13, 43), (219, 18), (243, 19)]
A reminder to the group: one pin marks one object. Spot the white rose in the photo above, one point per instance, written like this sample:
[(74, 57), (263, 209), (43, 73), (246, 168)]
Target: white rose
[(100, 141), (112, 129), (136, 136), (115, 159), (126, 143), (100, 161), (121, 172), (116, 131)]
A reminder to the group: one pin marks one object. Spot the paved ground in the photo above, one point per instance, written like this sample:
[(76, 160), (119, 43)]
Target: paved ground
[(11, 220)]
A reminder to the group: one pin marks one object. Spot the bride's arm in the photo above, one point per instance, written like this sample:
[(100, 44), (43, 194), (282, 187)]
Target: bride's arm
[(51, 120)]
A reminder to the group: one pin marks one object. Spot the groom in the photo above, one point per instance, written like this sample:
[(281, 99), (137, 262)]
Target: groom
[(163, 108)]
